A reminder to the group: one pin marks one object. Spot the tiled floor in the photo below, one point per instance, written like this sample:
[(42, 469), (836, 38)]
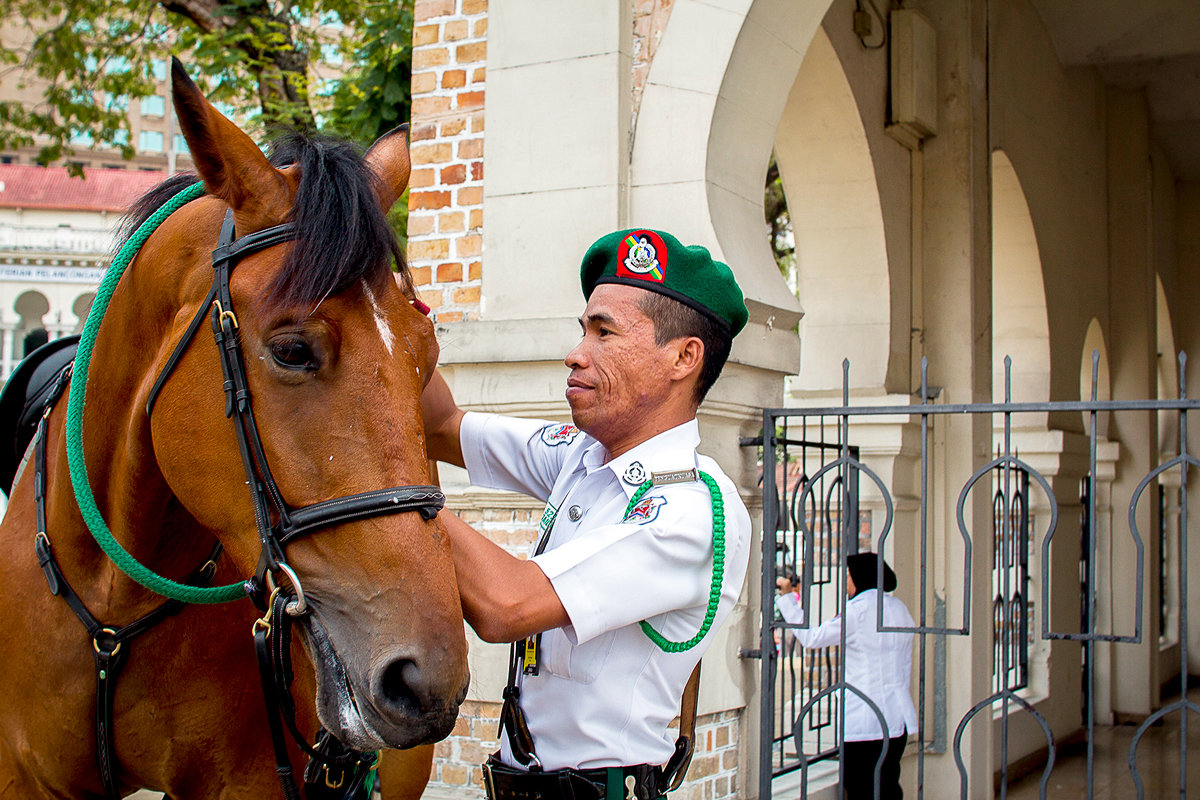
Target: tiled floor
[(1157, 762)]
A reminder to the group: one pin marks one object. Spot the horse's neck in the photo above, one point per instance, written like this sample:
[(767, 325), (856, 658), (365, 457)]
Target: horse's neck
[(134, 499)]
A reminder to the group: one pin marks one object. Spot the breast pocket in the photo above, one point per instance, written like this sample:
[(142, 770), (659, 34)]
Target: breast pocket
[(582, 663)]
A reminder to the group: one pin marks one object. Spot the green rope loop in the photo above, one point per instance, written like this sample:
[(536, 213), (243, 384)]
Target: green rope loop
[(718, 571), (79, 477)]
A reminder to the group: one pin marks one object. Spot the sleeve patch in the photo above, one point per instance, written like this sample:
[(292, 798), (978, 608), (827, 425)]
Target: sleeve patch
[(553, 435), (646, 510)]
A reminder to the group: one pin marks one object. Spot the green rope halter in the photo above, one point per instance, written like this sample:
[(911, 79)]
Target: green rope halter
[(718, 571), (79, 477)]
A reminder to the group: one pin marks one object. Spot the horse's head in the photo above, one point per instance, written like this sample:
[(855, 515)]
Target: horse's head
[(336, 357)]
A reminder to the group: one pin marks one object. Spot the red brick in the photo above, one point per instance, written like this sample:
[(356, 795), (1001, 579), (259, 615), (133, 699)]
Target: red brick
[(473, 53), (471, 148), (424, 82), (477, 171), (470, 294), (455, 173), (428, 9), (479, 31), (421, 178), (429, 249), (431, 297), (474, 7), (438, 153), (428, 200), (477, 123), (421, 276), (425, 34), (450, 316), (474, 271), (449, 273), (420, 224), (479, 75), (421, 132), (467, 246), (455, 30), (430, 105), (453, 127), (430, 57), (475, 219), (466, 100), (454, 78), (470, 196), (451, 223)]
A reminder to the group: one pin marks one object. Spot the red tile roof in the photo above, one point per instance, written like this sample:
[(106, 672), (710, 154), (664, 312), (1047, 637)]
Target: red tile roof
[(28, 186)]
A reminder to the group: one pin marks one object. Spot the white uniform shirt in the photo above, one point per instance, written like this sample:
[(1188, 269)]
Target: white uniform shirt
[(605, 692), (877, 664)]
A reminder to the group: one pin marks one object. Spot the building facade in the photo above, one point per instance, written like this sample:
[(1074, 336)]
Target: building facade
[(966, 181)]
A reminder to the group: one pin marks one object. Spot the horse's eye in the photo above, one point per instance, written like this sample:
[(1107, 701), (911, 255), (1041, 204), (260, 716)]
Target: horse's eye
[(293, 353)]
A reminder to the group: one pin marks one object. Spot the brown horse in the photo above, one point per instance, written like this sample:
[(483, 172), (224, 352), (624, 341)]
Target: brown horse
[(335, 357)]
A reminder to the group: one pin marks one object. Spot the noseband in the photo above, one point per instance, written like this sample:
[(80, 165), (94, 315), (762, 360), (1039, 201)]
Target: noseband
[(278, 523)]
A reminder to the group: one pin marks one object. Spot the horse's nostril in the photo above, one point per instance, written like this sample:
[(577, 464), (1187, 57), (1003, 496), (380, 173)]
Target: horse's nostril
[(401, 686)]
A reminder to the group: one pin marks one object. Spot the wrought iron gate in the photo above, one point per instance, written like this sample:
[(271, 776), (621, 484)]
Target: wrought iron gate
[(814, 516)]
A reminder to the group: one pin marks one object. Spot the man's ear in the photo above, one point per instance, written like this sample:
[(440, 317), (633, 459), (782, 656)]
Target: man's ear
[(689, 357)]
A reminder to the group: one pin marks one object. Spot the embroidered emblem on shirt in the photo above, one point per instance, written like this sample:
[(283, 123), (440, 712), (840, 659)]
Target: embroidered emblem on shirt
[(642, 255), (646, 510), (635, 474), (553, 435), (679, 476)]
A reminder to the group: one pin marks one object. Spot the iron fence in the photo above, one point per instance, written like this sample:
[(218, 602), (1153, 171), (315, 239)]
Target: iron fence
[(813, 474)]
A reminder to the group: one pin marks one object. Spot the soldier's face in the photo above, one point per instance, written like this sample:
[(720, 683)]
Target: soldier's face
[(619, 376)]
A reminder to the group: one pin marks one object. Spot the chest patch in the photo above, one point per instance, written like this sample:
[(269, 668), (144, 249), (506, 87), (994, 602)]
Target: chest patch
[(646, 510), (553, 435)]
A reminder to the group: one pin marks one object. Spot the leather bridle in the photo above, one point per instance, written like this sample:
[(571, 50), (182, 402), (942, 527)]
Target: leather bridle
[(277, 522)]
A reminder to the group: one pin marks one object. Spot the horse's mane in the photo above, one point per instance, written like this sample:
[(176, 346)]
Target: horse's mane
[(345, 236)]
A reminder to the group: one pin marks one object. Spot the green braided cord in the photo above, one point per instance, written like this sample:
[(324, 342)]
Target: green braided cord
[(79, 477), (718, 572)]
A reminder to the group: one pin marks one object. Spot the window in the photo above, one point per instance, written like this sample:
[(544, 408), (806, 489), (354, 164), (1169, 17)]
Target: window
[(179, 143), (154, 105), (117, 64), (160, 69), (150, 142), (118, 102), (81, 138)]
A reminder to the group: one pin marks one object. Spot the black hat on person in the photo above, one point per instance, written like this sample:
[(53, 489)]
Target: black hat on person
[(863, 567)]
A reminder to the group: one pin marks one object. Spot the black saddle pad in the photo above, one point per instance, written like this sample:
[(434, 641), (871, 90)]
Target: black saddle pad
[(22, 399)]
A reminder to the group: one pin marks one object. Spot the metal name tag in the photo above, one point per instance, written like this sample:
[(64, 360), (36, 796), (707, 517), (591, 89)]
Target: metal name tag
[(680, 476)]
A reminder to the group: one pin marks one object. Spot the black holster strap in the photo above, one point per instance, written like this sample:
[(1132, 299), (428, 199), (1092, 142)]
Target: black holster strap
[(502, 782)]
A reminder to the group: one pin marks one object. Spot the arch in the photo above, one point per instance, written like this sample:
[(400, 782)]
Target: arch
[(81, 307), (706, 127), (31, 332), (1093, 342), (1168, 372), (1020, 324), (841, 252)]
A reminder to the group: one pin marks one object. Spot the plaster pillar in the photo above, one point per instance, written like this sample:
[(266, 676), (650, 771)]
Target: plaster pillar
[(956, 338), (1134, 370)]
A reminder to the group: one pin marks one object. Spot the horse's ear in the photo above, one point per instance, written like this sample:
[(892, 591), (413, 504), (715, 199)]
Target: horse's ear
[(232, 166), (389, 158)]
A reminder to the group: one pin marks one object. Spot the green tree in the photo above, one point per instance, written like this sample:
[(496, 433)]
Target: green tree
[(779, 222), (258, 56)]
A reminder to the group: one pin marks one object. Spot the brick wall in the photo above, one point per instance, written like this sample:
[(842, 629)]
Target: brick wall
[(445, 222)]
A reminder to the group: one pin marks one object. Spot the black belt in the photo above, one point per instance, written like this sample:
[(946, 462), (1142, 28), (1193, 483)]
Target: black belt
[(639, 782)]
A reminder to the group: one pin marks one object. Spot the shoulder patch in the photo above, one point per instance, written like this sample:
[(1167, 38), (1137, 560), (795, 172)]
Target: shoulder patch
[(553, 435), (646, 510)]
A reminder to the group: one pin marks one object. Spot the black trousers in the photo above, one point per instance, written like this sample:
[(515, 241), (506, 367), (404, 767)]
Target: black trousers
[(859, 768)]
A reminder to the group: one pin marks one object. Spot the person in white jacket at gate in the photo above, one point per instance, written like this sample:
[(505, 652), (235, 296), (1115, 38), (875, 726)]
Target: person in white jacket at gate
[(878, 664)]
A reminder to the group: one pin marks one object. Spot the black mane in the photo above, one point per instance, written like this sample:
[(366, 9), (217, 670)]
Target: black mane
[(345, 237)]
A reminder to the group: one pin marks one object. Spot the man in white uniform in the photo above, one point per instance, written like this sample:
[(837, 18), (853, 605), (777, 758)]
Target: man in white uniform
[(643, 545)]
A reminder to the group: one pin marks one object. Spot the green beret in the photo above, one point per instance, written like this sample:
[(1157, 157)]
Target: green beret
[(656, 261)]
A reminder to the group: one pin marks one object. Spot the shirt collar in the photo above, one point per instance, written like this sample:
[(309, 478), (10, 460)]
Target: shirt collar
[(673, 449)]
